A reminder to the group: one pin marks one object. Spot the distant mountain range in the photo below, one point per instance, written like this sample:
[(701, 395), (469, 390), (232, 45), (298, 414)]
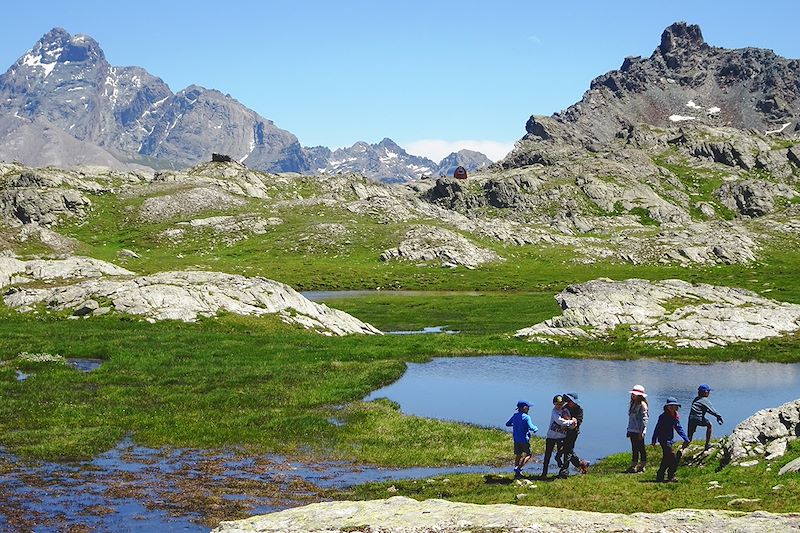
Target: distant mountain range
[(63, 104), (388, 162)]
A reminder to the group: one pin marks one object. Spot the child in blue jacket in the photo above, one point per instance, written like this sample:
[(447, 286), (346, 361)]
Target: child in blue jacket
[(668, 423), (522, 426)]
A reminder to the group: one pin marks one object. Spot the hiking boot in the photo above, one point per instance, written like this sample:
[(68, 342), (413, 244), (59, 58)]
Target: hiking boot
[(640, 467), (631, 469), (584, 466), (673, 479)]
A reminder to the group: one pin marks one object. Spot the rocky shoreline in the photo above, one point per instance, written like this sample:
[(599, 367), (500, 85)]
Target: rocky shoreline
[(405, 515)]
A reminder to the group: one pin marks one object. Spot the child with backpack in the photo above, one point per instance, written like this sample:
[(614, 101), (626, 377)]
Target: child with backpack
[(560, 420)]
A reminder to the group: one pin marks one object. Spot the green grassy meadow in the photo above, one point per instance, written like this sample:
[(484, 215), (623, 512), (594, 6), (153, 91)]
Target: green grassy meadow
[(259, 386)]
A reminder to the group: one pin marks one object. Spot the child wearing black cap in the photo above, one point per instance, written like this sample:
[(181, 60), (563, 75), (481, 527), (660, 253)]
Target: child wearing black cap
[(521, 426), (697, 416), (668, 423)]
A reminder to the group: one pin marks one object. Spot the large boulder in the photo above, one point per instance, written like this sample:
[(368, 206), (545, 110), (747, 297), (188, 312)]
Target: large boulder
[(766, 433), (405, 515)]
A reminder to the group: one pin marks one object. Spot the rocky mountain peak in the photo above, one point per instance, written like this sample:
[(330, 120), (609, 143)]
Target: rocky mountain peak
[(681, 37), (685, 81), (58, 46)]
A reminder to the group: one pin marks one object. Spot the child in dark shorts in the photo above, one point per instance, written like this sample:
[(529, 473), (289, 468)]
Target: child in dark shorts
[(701, 406), (521, 426)]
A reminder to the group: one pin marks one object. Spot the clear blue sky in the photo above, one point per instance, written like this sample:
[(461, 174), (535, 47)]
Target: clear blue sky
[(336, 72)]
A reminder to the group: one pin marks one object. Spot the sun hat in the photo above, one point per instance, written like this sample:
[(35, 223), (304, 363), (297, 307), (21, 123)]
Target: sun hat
[(638, 390), (571, 396), (704, 388), (523, 403), (558, 398), (672, 401)]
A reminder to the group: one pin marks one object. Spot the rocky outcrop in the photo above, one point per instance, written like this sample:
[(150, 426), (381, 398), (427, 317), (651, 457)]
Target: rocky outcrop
[(667, 313), (754, 198), (231, 228), (187, 296), (48, 196), (766, 434), (187, 203), (425, 243), (16, 271), (405, 515)]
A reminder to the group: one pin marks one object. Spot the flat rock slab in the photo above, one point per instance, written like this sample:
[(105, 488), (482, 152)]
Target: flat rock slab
[(669, 313), (166, 295), (405, 515)]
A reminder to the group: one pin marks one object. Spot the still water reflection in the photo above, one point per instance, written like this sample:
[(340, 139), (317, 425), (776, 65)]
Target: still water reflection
[(484, 391)]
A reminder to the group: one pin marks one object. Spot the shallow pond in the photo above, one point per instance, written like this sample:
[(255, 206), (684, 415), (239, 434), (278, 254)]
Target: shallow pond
[(484, 391)]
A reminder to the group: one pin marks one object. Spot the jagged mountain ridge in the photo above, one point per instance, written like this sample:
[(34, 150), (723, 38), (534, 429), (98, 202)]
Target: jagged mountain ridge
[(685, 80), (388, 162), (63, 104), (64, 82)]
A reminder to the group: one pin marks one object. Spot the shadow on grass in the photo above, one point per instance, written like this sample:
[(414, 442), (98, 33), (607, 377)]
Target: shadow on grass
[(496, 479)]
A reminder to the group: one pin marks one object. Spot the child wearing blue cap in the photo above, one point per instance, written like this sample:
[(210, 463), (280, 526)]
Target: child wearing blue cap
[(697, 416), (664, 432), (521, 427)]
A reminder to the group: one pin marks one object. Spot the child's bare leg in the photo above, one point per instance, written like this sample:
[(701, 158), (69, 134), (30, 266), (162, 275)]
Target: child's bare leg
[(525, 461)]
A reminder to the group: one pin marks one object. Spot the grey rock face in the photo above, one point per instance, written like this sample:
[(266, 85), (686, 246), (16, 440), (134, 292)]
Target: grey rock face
[(168, 295), (425, 243), (15, 271), (399, 514), (685, 80), (703, 315), (186, 203), (118, 116), (766, 434), (754, 198)]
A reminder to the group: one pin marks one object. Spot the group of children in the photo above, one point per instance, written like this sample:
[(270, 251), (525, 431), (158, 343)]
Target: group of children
[(567, 417), (562, 433)]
